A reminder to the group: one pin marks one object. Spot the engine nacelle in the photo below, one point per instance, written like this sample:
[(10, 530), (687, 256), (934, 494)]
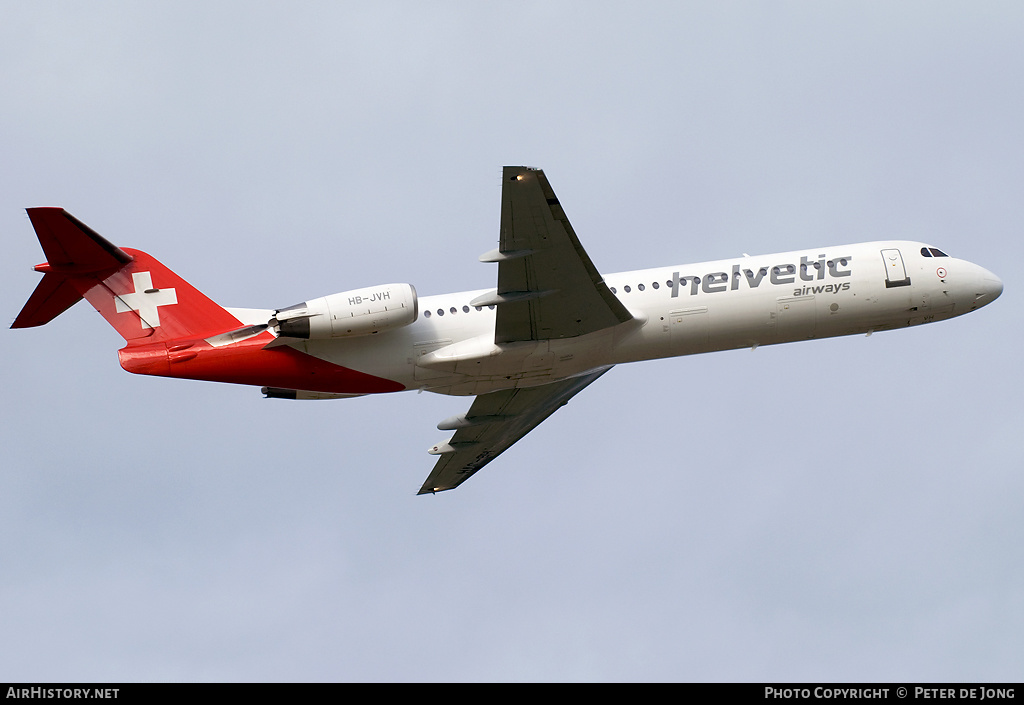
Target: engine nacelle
[(350, 313)]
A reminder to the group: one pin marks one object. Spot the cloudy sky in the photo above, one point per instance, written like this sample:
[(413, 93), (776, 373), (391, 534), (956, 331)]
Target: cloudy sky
[(718, 517)]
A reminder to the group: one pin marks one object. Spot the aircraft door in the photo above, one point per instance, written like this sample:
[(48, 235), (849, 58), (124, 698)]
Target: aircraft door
[(895, 271), (689, 330), (795, 318)]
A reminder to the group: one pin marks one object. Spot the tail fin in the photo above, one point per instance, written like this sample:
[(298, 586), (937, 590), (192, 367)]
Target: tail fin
[(141, 298)]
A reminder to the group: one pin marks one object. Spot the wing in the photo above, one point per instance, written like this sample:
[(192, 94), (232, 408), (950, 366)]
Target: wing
[(547, 285), (493, 423)]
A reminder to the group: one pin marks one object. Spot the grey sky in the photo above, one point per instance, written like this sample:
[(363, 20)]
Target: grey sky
[(845, 509)]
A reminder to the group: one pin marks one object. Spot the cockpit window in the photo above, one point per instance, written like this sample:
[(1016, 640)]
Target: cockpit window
[(925, 252), (937, 252)]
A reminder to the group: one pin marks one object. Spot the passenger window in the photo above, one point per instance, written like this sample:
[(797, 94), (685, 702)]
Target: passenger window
[(426, 314), (640, 287)]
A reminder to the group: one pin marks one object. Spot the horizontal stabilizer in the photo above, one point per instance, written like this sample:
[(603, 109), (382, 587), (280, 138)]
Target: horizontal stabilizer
[(71, 246), (73, 250), (54, 295)]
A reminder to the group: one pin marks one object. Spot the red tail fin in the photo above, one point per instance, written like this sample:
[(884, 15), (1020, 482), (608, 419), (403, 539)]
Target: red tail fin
[(141, 298)]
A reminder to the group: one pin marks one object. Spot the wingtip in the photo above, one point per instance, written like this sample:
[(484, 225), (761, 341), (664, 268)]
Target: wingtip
[(433, 490)]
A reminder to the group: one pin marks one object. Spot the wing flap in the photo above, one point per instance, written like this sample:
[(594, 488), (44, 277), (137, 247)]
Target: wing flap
[(493, 423)]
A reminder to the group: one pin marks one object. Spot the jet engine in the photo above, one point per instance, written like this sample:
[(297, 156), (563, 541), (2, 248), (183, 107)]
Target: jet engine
[(350, 313)]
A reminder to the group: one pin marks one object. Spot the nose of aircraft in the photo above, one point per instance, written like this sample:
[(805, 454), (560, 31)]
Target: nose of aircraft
[(988, 289)]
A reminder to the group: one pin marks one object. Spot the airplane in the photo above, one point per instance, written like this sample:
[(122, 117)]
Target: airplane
[(551, 326)]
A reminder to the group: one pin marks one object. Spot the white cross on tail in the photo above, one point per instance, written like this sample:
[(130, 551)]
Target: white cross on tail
[(145, 300)]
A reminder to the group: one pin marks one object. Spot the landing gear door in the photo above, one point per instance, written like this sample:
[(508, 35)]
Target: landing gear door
[(895, 271)]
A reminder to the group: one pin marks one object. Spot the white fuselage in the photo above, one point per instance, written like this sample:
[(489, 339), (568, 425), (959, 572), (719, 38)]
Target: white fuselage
[(679, 310)]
